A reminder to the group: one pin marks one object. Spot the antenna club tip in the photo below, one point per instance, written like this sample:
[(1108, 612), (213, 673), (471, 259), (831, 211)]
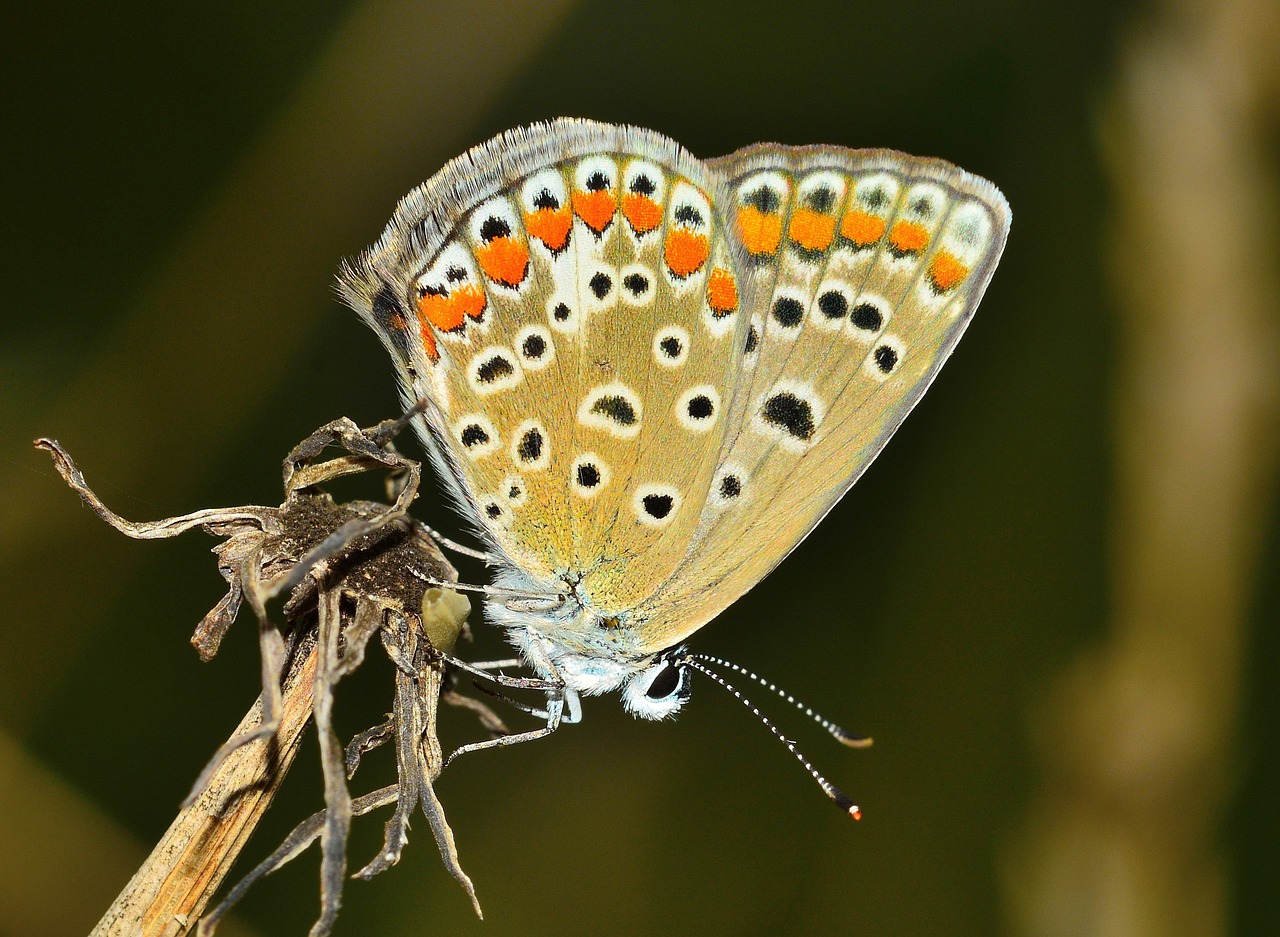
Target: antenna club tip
[(856, 812), (855, 741)]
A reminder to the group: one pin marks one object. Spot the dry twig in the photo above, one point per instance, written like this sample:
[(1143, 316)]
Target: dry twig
[(350, 571)]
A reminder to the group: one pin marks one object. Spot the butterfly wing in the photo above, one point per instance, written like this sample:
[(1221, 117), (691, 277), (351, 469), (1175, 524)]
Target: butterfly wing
[(868, 266), (564, 297)]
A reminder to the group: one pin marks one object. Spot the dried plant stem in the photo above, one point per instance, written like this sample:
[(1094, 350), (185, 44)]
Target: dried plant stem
[(169, 892)]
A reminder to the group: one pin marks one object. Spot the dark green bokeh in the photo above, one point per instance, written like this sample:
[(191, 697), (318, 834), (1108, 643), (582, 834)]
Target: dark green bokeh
[(928, 610)]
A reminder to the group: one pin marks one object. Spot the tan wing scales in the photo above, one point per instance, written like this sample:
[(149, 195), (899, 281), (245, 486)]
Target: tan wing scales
[(655, 380), (872, 283)]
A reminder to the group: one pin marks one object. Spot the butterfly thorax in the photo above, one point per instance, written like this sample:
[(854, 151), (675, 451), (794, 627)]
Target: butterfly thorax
[(569, 638)]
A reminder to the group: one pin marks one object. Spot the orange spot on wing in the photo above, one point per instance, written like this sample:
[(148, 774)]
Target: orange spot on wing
[(760, 233), (862, 228), (447, 312), (722, 292), (429, 342), (686, 251), (946, 270), (397, 321), (504, 260), (443, 312), (909, 237), (812, 230), (472, 300), (550, 226), (642, 212), (595, 208)]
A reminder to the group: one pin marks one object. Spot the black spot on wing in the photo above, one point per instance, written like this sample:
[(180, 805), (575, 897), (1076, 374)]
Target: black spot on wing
[(493, 369), (867, 317), (833, 304), (494, 227), (790, 413), (600, 285), (530, 446), (658, 506), (616, 408), (886, 358), (788, 311), (473, 434), (700, 407), (534, 347)]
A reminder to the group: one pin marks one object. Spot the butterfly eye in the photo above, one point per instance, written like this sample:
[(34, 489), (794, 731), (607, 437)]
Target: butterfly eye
[(665, 683), (658, 691)]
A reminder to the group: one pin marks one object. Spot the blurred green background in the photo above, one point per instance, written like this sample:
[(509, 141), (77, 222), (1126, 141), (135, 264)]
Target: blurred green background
[(1053, 601)]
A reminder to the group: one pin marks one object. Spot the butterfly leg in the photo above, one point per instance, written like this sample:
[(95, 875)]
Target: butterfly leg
[(497, 664), (555, 708), (454, 546)]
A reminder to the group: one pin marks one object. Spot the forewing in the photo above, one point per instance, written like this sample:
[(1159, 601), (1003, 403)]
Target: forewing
[(525, 291), (868, 266)]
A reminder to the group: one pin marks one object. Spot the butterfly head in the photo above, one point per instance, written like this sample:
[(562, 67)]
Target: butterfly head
[(593, 653), (660, 689)]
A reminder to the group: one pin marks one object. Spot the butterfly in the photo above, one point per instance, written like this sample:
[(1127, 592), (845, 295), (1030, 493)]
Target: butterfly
[(646, 378)]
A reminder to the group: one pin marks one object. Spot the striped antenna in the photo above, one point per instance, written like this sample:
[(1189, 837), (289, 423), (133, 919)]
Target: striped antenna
[(838, 796), (841, 735)]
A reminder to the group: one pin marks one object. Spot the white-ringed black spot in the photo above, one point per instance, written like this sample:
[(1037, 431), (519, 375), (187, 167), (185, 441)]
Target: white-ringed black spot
[(791, 413), (529, 449), (494, 227), (788, 311), (588, 475), (600, 285), (514, 492), (495, 513), (833, 304), (753, 340), (476, 434), (876, 198), (655, 505), (642, 185), (616, 408), (561, 312), (534, 347), (700, 407), (658, 506), (822, 199), (689, 215), (473, 434), (597, 182), (494, 368), (922, 207), (764, 199), (636, 283), (671, 346), (867, 317), (455, 274), (886, 358), (545, 199), (730, 487)]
